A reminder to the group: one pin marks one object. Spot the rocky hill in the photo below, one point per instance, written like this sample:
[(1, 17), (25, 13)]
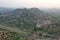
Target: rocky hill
[(30, 21), (27, 18)]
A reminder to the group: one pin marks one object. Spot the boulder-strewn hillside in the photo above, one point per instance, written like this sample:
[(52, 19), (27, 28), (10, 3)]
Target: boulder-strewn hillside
[(27, 18), (30, 20)]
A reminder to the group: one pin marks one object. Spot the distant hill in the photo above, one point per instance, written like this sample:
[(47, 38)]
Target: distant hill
[(53, 10), (4, 10)]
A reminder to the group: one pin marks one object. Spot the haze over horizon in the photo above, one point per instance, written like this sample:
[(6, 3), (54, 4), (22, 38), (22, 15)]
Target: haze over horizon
[(30, 3)]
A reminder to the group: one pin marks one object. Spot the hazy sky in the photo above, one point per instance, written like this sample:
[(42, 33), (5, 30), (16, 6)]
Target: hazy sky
[(30, 3)]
